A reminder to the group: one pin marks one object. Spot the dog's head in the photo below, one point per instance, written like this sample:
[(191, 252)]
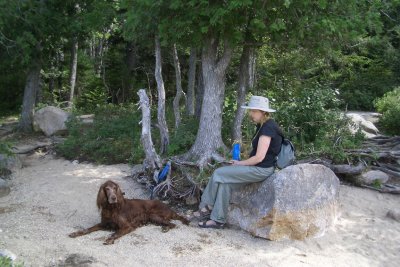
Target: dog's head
[(109, 194)]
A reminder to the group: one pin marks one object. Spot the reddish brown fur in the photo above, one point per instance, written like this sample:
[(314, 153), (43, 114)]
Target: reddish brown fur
[(125, 215)]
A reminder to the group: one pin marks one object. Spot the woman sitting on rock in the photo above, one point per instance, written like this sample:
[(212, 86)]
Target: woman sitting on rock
[(266, 144)]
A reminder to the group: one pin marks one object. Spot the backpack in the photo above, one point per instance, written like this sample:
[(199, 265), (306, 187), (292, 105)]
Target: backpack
[(286, 156)]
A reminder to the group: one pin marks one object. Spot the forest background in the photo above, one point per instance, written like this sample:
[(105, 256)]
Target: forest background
[(198, 62)]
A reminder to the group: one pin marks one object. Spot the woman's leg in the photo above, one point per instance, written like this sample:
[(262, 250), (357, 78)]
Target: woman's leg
[(224, 180)]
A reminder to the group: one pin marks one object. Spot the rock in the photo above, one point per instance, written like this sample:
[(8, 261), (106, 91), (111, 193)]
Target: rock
[(77, 260), (50, 120), (370, 177), (4, 253), (75, 162), (367, 127), (395, 215), (4, 188), (11, 163), (191, 200), (298, 202)]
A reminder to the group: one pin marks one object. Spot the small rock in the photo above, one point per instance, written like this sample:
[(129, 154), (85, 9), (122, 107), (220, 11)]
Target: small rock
[(191, 200), (4, 188), (77, 260), (395, 215), (75, 162), (370, 177)]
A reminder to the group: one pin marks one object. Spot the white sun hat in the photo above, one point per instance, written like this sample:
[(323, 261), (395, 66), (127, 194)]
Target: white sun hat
[(260, 103)]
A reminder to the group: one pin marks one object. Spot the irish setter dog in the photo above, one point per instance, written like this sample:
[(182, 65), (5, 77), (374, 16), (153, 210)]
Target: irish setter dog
[(125, 215)]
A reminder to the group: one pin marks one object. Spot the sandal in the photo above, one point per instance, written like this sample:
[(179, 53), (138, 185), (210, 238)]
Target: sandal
[(204, 215), (215, 225)]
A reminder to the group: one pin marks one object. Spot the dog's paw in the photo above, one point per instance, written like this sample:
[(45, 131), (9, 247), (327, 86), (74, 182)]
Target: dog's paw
[(75, 234), (165, 229), (109, 241)]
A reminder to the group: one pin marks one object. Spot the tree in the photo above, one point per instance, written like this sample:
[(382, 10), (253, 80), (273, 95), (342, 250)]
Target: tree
[(190, 106), (179, 91), (162, 123)]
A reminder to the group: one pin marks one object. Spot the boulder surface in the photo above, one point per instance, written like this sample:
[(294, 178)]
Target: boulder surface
[(50, 120), (298, 202)]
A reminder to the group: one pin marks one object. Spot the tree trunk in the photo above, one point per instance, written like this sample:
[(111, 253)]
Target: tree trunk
[(179, 91), (191, 82), (162, 123), (244, 79), (130, 63), (209, 138), (60, 62), (199, 92), (28, 104), (152, 161), (73, 68)]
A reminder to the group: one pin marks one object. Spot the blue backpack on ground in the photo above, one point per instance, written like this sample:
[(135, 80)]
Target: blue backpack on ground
[(286, 156)]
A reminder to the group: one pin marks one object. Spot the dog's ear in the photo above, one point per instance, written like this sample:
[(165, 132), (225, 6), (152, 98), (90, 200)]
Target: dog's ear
[(120, 194), (101, 197)]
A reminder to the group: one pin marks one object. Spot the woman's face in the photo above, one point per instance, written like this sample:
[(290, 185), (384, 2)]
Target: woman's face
[(256, 115)]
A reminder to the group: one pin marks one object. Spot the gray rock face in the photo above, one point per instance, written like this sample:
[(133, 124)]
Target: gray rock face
[(298, 202), (369, 177), (50, 120), (360, 122)]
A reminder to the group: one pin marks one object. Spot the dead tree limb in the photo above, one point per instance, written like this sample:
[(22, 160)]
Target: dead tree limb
[(152, 160), (343, 168)]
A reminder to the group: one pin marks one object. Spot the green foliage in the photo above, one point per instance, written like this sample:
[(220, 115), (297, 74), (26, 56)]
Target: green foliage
[(182, 140), (377, 184), (5, 148), (7, 262), (114, 137), (312, 120), (389, 106)]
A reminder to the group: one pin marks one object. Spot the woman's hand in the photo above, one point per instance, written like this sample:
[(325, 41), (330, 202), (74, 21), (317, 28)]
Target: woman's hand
[(235, 162)]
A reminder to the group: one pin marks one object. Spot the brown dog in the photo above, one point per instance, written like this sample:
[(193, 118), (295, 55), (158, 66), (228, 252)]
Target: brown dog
[(125, 215)]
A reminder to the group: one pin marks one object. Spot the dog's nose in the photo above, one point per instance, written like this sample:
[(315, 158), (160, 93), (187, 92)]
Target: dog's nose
[(113, 199)]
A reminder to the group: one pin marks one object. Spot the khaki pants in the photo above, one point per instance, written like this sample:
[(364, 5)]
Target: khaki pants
[(218, 190)]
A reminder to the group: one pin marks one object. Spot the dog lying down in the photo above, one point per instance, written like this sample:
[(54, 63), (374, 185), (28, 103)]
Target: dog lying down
[(125, 215)]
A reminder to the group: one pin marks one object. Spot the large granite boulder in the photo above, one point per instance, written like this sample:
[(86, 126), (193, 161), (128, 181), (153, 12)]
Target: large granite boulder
[(297, 202), (50, 120)]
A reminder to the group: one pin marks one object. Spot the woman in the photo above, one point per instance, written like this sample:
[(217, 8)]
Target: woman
[(266, 144)]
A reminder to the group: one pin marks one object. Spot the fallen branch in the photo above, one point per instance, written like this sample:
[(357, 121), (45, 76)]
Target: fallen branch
[(385, 189), (27, 150), (343, 168)]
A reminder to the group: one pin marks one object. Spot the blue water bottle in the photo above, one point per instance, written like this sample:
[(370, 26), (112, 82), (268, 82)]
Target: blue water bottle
[(236, 151)]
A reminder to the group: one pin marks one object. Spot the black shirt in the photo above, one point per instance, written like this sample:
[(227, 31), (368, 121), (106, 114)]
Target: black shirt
[(269, 128)]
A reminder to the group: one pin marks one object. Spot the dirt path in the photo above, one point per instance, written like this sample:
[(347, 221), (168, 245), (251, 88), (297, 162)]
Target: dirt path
[(53, 197)]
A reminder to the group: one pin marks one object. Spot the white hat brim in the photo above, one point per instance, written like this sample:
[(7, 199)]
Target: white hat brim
[(259, 108)]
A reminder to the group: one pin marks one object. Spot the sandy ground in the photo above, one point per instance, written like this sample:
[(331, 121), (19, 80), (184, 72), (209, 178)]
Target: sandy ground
[(52, 197)]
